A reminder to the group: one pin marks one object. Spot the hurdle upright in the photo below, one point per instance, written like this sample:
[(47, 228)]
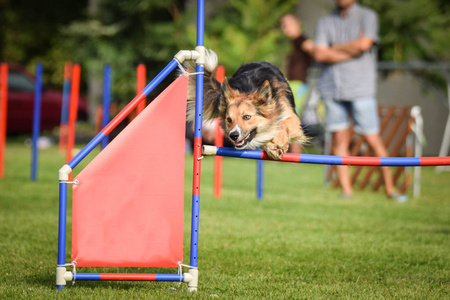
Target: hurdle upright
[(191, 278)]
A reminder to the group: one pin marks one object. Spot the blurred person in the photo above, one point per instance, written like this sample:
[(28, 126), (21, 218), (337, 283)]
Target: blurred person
[(346, 46), (298, 63)]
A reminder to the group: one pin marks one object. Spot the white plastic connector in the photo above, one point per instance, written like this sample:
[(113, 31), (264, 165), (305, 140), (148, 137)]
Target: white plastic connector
[(183, 55), (64, 173), (187, 277), (201, 60), (209, 150), (193, 283), (62, 276)]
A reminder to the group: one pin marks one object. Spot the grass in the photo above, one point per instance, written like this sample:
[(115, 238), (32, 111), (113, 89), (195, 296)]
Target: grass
[(300, 242)]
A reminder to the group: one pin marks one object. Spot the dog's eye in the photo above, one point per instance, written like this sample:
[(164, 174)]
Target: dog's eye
[(228, 120), (247, 117)]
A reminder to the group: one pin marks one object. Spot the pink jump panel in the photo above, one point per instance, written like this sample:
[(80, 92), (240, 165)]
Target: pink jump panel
[(128, 205)]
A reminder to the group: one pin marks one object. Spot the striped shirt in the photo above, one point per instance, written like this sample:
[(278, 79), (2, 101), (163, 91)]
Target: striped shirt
[(354, 78)]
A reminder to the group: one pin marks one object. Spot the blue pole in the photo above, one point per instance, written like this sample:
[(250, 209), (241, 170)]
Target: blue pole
[(65, 102), (106, 100), (62, 225), (36, 120), (259, 179), (200, 22), (160, 77)]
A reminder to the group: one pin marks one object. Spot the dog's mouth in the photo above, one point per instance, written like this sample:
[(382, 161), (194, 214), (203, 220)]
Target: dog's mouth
[(244, 142)]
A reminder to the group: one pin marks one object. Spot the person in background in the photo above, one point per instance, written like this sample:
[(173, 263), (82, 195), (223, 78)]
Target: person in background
[(346, 46), (298, 63)]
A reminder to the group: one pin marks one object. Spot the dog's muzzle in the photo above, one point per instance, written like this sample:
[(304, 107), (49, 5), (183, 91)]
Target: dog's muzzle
[(234, 135), (241, 144)]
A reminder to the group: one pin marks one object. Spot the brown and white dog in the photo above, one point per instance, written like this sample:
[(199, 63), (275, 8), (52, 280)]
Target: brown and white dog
[(255, 106)]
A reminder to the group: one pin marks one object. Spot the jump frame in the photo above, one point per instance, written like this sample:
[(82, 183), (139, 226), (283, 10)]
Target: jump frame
[(191, 278)]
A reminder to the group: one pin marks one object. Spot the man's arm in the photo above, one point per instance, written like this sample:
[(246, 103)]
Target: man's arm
[(324, 54), (356, 47)]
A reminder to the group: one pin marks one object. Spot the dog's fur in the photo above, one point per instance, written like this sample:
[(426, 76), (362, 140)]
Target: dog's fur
[(255, 106)]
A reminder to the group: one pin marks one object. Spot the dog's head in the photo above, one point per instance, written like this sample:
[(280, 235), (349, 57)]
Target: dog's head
[(249, 119)]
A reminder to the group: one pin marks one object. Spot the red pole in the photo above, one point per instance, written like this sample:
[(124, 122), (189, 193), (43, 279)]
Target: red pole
[(73, 110), (3, 114), (218, 141), (140, 84)]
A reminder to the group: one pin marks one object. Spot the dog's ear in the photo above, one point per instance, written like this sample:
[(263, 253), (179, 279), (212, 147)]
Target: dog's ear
[(264, 94), (227, 92)]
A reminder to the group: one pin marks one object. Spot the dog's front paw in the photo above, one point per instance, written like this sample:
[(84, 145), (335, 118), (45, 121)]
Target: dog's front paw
[(274, 151)]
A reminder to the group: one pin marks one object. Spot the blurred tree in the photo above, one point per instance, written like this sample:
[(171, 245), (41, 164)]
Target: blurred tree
[(124, 33), (248, 30), (413, 30), (30, 30)]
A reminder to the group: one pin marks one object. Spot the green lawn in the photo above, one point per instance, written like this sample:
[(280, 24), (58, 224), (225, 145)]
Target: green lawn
[(300, 242)]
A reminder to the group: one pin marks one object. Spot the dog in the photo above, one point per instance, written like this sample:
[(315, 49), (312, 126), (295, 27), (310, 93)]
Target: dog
[(255, 106)]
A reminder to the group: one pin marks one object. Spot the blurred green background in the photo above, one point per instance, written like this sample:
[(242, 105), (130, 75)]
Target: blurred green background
[(125, 32)]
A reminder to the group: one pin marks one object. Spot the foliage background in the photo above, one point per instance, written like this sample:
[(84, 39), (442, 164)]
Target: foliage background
[(123, 33)]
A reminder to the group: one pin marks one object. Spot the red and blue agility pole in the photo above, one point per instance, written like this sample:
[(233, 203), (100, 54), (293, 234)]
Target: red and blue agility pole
[(330, 159), (36, 120), (3, 114), (197, 149), (106, 100)]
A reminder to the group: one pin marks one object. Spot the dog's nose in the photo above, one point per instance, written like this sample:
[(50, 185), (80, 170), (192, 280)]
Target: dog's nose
[(234, 135)]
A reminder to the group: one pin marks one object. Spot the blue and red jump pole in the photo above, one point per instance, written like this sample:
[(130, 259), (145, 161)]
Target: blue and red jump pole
[(197, 142), (331, 159)]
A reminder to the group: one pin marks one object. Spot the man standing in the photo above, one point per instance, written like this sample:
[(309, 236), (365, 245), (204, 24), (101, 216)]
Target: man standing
[(346, 45)]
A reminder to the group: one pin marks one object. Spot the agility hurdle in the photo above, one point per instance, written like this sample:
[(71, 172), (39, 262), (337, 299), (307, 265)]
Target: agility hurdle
[(142, 121), (331, 159)]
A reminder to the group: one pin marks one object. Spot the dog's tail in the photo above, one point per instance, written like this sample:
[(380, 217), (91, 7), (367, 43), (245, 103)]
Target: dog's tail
[(211, 88)]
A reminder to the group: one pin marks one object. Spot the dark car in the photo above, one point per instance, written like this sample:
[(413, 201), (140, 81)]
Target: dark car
[(21, 103)]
